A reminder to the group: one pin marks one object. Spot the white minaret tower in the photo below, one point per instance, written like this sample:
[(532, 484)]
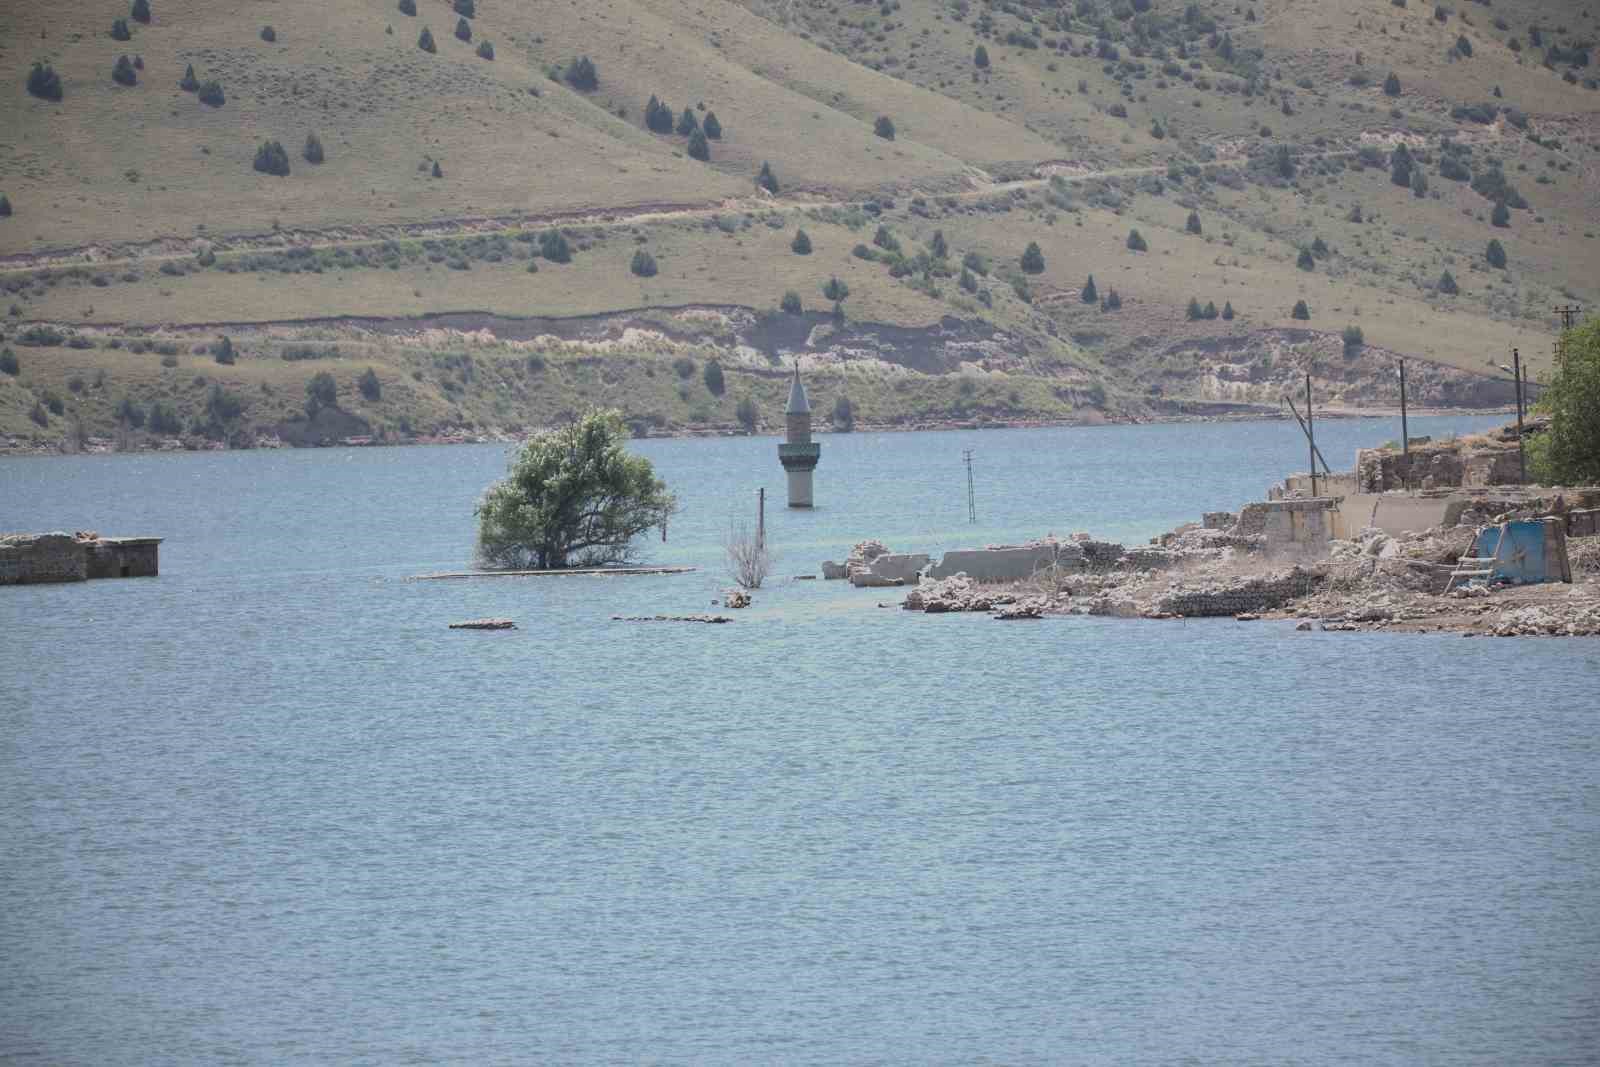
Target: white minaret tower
[(798, 453)]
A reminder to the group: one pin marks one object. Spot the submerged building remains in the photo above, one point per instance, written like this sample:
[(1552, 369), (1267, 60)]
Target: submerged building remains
[(26, 559), (798, 453)]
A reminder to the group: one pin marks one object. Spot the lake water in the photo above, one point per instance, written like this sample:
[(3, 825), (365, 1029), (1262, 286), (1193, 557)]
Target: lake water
[(267, 809)]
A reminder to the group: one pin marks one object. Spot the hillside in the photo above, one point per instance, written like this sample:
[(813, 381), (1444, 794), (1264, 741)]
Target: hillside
[(473, 232)]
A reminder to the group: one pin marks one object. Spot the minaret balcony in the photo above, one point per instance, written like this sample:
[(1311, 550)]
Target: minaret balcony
[(799, 457)]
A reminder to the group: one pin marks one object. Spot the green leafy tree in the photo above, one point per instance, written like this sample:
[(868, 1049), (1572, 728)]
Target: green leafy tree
[(766, 179), (1300, 311), (801, 245), (463, 30), (713, 377), (712, 128), (699, 147), (687, 123), (1112, 302), (836, 291), (843, 416), (211, 94), (268, 34), (272, 159), (190, 83), (975, 263), (1569, 452), (884, 238), (1419, 182), (884, 127), (371, 388), (554, 247), (1136, 242), (1210, 310), (644, 264), (120, 31), (791, 303), (1496, 253), (657, 116), (425, 41), (1032, 259), (438, 171), (748, 414), (1089, 296), (321, 392), (582, 75), (123, 73), (968, 281), (1195, 311), (573, 497), (44, 82), (1319, 248)]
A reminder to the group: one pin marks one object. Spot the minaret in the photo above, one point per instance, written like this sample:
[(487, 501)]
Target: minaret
[(798, 454)]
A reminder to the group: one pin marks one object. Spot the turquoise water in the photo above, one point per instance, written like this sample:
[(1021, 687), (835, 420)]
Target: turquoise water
[(267, 809)]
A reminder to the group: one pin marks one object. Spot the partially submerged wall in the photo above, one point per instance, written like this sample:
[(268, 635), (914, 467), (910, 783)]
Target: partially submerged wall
[(28, 559), (1257, 594)]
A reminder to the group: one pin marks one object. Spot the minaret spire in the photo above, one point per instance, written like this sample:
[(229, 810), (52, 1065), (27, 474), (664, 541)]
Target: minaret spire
[(798, 453)]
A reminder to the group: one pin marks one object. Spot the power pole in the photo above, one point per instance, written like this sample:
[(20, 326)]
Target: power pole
[(761, 517), (1515, 370), (1568, 312), (1405, 432), (972, 502), (1311, 436)]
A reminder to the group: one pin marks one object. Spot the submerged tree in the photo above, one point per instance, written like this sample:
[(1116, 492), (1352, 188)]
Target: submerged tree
[(574, 497), (1569, 452)]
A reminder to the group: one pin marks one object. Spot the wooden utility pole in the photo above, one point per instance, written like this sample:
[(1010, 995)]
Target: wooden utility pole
[(1311, 436), (761, 517), (1405, 430), (972, 501)]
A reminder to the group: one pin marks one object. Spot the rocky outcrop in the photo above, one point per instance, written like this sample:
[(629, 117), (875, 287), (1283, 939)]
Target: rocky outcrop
[(484, 624)]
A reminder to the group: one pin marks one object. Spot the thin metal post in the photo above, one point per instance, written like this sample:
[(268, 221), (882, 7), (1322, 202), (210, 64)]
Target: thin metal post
[(1405, 430), (972, 503), (761, 517), (1311, 435), (1326, 469), (1522, 454)]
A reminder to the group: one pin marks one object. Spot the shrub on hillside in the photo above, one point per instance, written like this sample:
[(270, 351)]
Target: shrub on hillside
[(163, 420), (463, 30), (766, 179), (123, 73), (141, 11), (211, 94), (684, 366), (1227, 311), (699, 147), (465, 8), (425, 41), (1353, 340), (1391, 84), (44, 82), (313, 149), (554, 247), (687, 123), (272, 159), (438, 171), (1451, 167), (980, 58), (712, 128), (791, 303), (644, 264), (223, 351), (189, 84), (1033, 259), (1490, 183), (1501, 215), (1194, 311), (713, 377), (884, 127), (321, 392), (836, 291), (120, 31), (5, 207), (801, 245), (938, 247), (582, 75), (1089, 295), (968, 281), (885, 239), (1400, 166), (1136, 242), (657, 116), (1193, 225), (843, 415), (975, 263), (129, 414), (1463, 47), (1300, 311), (1447, 284), (371, 388), (485, 50), (1495, 253), (1112, 302), (268, 34), (37, 414), (8, 363), (408, 7)]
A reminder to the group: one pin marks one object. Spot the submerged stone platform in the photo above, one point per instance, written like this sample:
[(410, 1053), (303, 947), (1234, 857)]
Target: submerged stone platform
[(30, 559), (570, 571)]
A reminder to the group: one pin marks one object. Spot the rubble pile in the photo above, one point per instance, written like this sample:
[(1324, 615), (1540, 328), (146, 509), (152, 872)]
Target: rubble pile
[(1250, 594)]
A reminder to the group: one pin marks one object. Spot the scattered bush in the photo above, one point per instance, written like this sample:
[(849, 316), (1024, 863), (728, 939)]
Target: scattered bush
[(1089, 296), (1227, 311), (1501, 215), (554, 247), (1400, 166), (1136, 242), (272, 159), (465, 8), (223, 351), (463, 30), (268, 34), (1353, 340), (885, 239), (884, 127), (975, 263), (1112, 302), (141, 11), (1391, 84), (835, 290), (699, 147), (766, 179), (425, 41), (801, 245), (657, 116), (980, 58), (644, 264), (123, 73), (163, 420), (8, 362), (1193, 225), (408, 7), (687, 123), (1447, 284), (582, 75), (313, 149), (120, 31), (712, 128), (44, 82), (211, 94), (713, 377), (371, 388), (791, 303), (1463, 47), (1300, 311), (938, 247), (190, 83), (321, 392), (746, 412), (438, 171), (843, 415), (1032, 259), (1496, 253), (1451, 167), (37, 414), (486, 51), (684, 367)]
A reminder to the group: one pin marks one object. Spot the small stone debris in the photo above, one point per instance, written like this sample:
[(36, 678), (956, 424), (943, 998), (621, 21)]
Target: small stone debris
[(1304, 624), (484, 624), (736, 598), (1027, 609), (670, 618), (1246, 616), (805, 577)]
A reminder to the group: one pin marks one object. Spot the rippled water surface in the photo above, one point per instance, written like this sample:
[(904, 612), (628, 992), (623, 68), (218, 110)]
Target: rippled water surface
[(266, 808)]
